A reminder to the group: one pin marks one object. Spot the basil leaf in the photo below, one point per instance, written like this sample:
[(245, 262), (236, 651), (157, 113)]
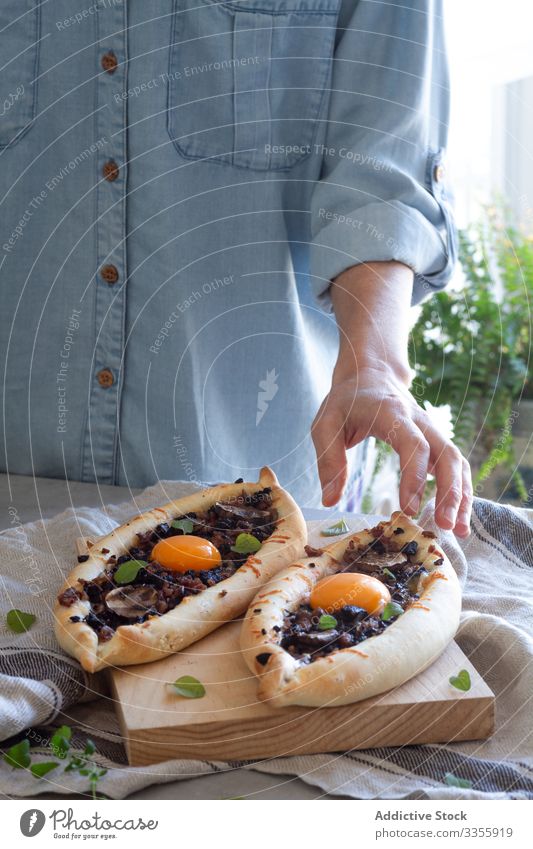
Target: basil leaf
[(391, 610), (40, 770), (189, 687), (326, 622), (128, 571), (60, 741), (461, 681), (183, 525), (246, 544), (18, 756), (90, 748), (338, 528), (454, 781), (19, 622), (388, 573)]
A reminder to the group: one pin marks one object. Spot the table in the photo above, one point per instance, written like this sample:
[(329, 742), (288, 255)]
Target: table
[(41, 498)]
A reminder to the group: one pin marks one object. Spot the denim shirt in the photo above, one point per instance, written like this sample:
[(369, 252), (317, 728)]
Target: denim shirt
[(180, 180)]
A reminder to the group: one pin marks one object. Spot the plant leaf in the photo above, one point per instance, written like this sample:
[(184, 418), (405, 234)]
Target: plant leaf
[(338, 528), (246, 544), (41, 769), (128, 571), (326, 622), (454, 781), (183, 525), (18, 756), (388, 573), (60, 741), (90, 748), (391, 610), (19, 622), (189, 687), (461, 681)]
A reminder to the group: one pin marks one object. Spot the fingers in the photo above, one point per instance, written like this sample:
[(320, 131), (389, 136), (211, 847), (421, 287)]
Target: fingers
[(327, 432), (453, 499), (342, 422), (462, 526), (413, 450)]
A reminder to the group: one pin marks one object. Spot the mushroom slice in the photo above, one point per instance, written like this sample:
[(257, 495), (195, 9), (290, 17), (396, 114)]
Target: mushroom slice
[(131, 602), (251, 514), (318, 639)]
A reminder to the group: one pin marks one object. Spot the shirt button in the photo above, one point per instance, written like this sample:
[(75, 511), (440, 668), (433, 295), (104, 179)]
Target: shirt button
[(105, 378), (109, 62), (438, 173), (110, 170), (109, 273)]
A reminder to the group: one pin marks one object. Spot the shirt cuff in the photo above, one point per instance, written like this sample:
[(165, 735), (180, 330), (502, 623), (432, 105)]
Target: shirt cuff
[(381, 232)]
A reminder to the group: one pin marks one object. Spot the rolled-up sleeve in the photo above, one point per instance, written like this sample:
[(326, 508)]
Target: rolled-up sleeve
[(383, 193)]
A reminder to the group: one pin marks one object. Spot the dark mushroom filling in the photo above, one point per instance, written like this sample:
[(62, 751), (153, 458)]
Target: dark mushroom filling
[(304, 637), (155, 590)]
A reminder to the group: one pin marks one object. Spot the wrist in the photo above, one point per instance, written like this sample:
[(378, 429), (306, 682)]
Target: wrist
[(372, 304), (390, 368)]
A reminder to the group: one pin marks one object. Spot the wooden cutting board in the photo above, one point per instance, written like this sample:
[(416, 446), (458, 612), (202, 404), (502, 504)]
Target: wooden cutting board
[(228, 723)]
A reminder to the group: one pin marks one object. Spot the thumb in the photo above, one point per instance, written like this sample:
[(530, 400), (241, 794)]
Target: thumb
[(329, 441)]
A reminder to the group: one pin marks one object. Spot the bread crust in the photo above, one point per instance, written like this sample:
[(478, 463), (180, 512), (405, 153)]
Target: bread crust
[(195, 616), (380, 663)]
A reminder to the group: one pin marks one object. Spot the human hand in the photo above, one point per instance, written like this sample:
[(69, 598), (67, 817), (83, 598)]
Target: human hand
[(376, 402)]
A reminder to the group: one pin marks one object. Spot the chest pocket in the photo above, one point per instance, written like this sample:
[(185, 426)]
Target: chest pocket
[(19, 53), (249, 79)]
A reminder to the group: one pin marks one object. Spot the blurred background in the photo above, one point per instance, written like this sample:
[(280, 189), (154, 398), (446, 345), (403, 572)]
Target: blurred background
[(471, 345)]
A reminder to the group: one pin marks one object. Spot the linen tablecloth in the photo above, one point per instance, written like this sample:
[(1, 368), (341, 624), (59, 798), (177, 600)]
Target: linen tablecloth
[(41, 688)]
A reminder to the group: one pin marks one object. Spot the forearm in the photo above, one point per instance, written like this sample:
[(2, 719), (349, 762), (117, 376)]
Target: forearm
[(372, 305)]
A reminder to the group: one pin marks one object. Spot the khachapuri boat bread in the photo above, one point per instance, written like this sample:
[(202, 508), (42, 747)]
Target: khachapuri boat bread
[(173, 574), (354, 619)]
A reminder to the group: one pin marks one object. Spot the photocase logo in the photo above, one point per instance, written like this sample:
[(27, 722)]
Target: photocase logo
[(267, 390), (32, 822)]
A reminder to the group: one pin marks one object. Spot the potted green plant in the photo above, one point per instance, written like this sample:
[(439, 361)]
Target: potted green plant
[(471, 350)]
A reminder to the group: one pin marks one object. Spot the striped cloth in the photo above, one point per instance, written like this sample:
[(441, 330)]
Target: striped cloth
[(495, 566)]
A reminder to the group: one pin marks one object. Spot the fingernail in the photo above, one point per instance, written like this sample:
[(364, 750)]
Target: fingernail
[(329, 491), (413, 504), (449, 514)]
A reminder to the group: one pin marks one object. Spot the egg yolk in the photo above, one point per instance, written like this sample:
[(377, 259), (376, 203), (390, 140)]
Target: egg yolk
[(350, 588), (184, 552)]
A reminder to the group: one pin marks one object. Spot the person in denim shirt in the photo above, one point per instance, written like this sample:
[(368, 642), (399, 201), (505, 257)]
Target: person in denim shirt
[(197, 200)]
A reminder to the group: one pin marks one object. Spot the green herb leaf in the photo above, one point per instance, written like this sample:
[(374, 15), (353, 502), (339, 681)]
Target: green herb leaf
[(246, 544), (128, 571), (90, 748), (338, 528), (40, 770), (19, 622), (18, 756), (326, 622), (461, 681), (183, 525), (388, 573), (454, 781), (60, 741), (391, 610), (189, 687)]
